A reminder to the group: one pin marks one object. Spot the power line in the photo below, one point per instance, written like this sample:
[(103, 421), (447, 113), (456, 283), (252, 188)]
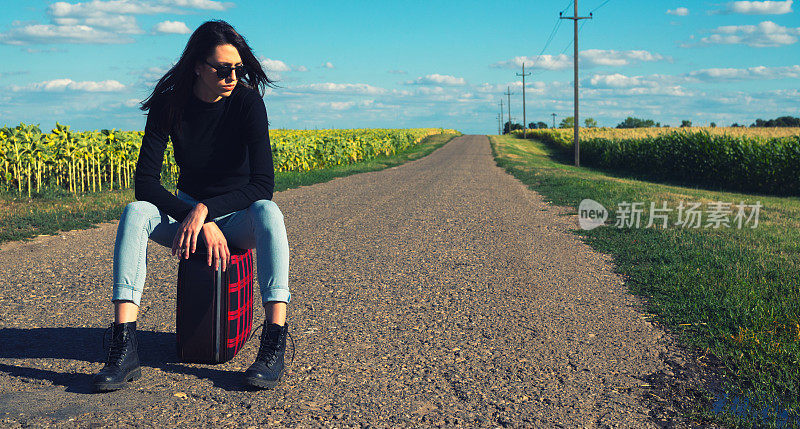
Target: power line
[(550, 37), (570, 42), (555, 29), (598, 7), (565, 47)]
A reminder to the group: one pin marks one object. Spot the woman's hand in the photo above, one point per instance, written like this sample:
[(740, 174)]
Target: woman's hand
[(185, 241), (217, 245)]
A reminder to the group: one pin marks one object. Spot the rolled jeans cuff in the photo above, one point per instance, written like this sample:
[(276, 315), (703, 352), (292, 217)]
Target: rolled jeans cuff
[(277, 294), (123, 292)]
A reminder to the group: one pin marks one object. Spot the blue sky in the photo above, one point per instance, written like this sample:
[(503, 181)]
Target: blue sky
[(354, 64)]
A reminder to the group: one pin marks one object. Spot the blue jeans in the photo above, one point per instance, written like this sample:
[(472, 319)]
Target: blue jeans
[(259, 227)]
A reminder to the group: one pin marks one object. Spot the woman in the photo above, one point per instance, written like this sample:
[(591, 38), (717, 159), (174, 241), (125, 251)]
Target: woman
[(211, 104)]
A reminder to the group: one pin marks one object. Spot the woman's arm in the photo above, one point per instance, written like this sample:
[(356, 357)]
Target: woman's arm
[(262, 174), (147, 181)]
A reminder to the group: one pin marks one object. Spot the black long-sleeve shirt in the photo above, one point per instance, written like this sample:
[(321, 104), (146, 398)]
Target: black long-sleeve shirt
[(223, 152)]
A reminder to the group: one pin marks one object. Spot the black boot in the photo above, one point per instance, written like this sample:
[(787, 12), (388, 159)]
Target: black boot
[(123, 360), (268, 367)]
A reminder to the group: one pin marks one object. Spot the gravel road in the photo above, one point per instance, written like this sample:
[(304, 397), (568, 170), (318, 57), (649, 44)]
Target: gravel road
[(442, 292)]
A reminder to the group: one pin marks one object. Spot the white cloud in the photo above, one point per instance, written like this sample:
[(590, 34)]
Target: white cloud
[(613, 97), (669, 90), (603, 57), (114, 15), (430, 90), (402, 92), (616, 84), (274, 68), (47, 33), (151, 74), (438, 79), (765, 34), (618, 80), (172, 27), (345, 105), (274, 65), (659, 84), (69, 84), (397, 72), (112, 105), (96, 7), (345, 88), (681, 11), (530, 87), (124, 24), (202, 4), (547, 62), (328, 65), (759, 72), (101, 22), (339, 105), (588, 58), (757, 7), (42, 50)]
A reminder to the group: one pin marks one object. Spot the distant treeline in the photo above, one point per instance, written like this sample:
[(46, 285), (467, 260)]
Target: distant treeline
[(783, 121), (631, 122)]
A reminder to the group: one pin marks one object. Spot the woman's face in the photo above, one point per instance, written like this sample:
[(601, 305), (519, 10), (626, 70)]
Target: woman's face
[(211, 86)]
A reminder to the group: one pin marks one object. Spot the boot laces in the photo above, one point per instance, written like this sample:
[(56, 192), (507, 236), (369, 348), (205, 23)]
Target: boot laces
[(267, 349), (117, 348)]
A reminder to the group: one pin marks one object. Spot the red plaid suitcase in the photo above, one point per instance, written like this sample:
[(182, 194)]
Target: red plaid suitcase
[(214, 314)]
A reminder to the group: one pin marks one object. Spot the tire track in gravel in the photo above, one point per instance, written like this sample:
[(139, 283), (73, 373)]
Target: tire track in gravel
[(438, 292)]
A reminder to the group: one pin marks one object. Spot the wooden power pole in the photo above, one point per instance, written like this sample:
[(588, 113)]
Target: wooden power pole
[(501, 116), (508, 93), (524, 119), (575, 20)]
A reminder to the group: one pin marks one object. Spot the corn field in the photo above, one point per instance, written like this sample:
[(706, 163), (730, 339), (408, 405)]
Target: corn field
[(763, 160), (91, 161), (634, 133)]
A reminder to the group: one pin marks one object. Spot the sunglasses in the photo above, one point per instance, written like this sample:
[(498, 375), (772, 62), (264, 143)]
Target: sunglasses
[(225, 71)]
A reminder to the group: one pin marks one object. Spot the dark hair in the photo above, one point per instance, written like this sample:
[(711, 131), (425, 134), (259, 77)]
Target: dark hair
[(174, 89)]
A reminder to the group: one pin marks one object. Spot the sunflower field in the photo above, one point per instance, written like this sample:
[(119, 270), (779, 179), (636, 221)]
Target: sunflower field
[(91, 161)]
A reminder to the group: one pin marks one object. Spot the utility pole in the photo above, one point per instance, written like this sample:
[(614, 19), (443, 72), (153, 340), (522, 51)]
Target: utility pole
[(499, 126), (575, 20), (508, 93), (501, 116), (554, 119), (524, 119)]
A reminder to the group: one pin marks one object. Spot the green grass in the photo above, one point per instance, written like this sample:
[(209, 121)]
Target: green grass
[(731, 292), (51, 211)]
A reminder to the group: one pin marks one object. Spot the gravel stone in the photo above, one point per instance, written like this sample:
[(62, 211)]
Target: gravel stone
[(442, 292)]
